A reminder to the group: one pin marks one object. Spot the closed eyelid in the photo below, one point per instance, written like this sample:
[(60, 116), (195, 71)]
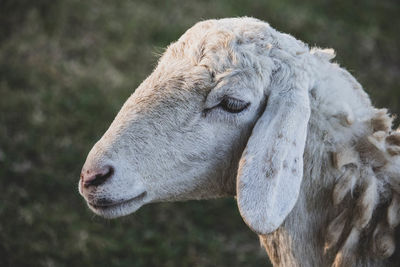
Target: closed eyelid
[(229, 104)]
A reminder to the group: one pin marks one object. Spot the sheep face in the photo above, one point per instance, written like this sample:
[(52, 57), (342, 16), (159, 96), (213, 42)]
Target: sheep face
[(181, 134)]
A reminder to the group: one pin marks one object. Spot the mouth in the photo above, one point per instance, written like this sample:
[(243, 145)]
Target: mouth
[(111, 209)]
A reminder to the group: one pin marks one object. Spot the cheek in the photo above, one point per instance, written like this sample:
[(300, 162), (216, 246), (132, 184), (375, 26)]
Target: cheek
[(221, 149)]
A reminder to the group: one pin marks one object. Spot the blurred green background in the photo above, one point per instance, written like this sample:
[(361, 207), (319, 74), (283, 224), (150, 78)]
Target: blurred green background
[(66, 68)]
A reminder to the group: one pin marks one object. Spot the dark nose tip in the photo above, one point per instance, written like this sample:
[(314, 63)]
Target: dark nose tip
[(96, 177)]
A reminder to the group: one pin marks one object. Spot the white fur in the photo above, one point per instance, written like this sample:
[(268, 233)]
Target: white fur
[(309, 131)]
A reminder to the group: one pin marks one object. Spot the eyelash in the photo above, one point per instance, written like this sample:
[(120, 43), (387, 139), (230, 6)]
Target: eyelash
[(233, 105), (229, 105)]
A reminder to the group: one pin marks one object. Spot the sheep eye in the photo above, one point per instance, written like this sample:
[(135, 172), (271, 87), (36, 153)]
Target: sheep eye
[(233, 105)]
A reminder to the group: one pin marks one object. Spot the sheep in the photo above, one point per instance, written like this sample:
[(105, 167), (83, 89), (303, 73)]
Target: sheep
[(236, 108)]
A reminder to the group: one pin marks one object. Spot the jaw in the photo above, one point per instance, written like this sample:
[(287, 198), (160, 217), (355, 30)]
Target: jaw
[(120, 208)]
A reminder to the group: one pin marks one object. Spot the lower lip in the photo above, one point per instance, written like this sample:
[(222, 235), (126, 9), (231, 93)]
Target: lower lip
[(114, 205)]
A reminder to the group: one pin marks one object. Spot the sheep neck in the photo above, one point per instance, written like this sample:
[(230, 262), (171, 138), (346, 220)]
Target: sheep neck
[(300, 241)]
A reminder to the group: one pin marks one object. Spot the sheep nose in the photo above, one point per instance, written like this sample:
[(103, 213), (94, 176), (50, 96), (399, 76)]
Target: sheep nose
[(97, 176)]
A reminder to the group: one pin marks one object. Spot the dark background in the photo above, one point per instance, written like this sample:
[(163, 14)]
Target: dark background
[(66, 67)]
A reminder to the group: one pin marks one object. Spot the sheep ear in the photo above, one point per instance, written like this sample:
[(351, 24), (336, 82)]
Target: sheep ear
[(271, 168)]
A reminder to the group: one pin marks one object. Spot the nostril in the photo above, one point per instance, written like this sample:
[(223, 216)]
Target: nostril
[(96, 177)]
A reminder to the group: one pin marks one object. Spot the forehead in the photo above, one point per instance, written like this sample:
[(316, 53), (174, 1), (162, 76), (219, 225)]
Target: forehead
[(211, 53), (220, 45)]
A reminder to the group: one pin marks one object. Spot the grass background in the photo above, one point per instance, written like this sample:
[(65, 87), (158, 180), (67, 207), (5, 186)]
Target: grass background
[(66, 67)]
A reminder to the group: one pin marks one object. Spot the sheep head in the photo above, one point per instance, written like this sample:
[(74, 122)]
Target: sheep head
[(225, 110)]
